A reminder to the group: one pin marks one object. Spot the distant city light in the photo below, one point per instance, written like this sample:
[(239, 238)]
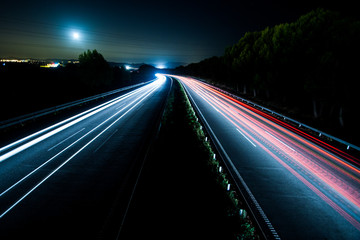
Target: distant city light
[(50, 65), (131, 68), (15, 60)]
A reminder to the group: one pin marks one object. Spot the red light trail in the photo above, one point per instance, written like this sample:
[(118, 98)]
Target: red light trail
[(330, 176)]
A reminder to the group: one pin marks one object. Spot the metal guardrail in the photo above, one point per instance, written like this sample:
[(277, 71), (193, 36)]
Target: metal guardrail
[(34, 115), (299, 124), (265, 228)]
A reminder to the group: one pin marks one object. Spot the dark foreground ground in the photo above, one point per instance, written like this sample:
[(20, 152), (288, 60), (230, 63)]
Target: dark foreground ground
[(177, 196)]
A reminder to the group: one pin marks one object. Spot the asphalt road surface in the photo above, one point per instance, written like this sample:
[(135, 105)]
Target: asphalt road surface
[(73, 180), (303, 191)]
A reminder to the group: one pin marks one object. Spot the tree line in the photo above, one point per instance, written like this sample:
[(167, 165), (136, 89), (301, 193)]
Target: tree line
[(27, 87), (307, 68)]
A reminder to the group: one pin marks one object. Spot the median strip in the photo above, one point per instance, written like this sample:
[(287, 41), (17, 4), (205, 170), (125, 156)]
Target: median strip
[(182, 191)]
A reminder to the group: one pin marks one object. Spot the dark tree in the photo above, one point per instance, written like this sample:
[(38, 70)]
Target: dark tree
[(308, 66), (95, 71), (93, 59)]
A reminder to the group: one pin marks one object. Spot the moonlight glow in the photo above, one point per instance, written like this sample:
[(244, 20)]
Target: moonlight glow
[(76, 35)]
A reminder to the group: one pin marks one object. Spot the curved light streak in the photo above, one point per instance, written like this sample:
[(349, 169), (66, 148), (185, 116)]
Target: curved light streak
[(331, 177)]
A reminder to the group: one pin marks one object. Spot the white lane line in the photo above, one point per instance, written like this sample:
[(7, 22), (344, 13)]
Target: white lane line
[(65, 140), (56, 155), (246, 137), (107, 139), (215, 108), (253, 199), (63, 122), (280, 141), (119, 106), (49, 134), (32, 172), (52, 158), (142, 97)]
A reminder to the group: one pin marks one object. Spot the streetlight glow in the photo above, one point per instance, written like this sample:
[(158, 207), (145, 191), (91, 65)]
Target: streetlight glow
[(160, 66)]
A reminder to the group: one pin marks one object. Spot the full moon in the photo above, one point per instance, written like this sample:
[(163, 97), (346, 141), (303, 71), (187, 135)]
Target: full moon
[(76, 35)]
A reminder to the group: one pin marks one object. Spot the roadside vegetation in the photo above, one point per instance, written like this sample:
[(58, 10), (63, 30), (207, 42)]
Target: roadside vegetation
[(306, 69), (181, 193), (219, 174), (26, 87)]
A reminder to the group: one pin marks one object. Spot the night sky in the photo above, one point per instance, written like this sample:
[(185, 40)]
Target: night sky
[(153, 32)]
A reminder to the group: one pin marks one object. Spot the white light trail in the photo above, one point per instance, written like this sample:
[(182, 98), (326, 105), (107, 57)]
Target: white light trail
[(154, 86), (77, 118)]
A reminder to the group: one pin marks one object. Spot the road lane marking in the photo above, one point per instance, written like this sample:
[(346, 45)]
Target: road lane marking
[(56, 155), (215, 108), (65, 140), (312, 187), (280, 141), (107, 139), (139, 99), (119, 106), (226, 156), (246, 137), (77, 118)]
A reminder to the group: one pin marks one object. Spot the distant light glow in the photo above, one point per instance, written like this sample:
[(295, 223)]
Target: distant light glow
[(160, 66), (15, 60), (160, 77), (76, 35), (141, 95), (50, 65), (56, 128)]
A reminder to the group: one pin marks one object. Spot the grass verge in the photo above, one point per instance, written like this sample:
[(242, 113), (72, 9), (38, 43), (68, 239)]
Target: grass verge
[(181, 193)]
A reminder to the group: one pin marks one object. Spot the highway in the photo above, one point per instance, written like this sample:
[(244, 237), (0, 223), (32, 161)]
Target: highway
[(301, 190), (74, 179)]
